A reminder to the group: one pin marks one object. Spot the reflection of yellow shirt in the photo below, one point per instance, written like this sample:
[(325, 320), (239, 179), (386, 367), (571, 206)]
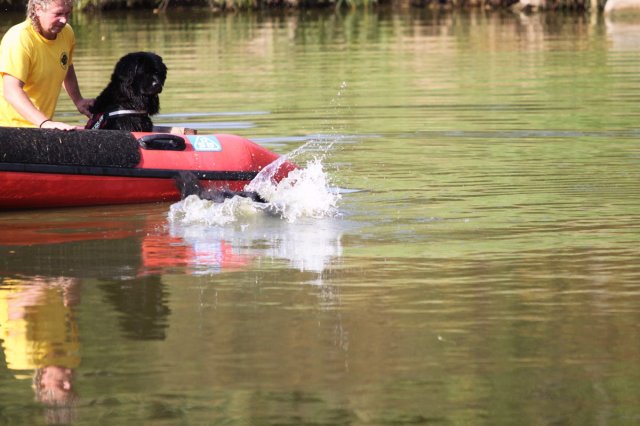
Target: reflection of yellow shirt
[(36, 329), (39, 63)]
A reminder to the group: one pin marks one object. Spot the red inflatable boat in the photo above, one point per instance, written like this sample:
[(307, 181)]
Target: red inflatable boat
[(51, 168)]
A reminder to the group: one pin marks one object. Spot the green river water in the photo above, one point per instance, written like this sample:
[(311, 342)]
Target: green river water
[(482, 268)]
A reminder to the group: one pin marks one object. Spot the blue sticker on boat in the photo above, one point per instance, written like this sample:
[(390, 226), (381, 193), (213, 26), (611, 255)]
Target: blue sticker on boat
[(205, 143)]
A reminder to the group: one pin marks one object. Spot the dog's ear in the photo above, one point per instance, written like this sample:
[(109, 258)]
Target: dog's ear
[(125, 69)]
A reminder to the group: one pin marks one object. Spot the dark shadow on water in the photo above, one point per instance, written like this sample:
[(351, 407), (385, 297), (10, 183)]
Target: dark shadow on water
[(143, 305)]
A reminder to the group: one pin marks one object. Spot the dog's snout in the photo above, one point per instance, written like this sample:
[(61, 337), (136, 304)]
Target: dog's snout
[(152, 86), (156, 84)]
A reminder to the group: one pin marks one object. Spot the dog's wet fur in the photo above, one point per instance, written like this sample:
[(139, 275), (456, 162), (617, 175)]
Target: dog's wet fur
[(188, 184), (136, 82)]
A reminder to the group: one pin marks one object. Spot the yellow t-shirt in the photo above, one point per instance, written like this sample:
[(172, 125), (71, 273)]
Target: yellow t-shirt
[(39, 63)]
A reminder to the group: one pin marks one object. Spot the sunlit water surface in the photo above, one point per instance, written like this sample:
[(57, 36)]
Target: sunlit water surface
[(462, 247)]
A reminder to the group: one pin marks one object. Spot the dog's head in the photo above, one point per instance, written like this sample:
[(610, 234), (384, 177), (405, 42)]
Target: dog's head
[(141, 73)]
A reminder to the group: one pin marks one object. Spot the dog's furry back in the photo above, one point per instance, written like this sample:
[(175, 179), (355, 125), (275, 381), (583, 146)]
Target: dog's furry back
[(136, 82)]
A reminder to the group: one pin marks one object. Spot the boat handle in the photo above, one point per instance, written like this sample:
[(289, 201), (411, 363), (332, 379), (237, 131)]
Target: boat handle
[(163, 142)]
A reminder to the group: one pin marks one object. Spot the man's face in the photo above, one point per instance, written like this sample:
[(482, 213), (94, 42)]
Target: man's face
[(56, 385), (53, 18)]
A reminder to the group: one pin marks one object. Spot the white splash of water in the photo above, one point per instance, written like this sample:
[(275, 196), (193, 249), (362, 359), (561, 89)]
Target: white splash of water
[(304, 193), (193, 210)]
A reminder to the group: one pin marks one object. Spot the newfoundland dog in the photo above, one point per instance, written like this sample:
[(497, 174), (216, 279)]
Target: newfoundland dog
[(131, 96)]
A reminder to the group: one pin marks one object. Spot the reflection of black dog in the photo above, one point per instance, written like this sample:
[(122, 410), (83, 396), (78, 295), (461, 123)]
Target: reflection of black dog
[(131, 96), (188, 184)]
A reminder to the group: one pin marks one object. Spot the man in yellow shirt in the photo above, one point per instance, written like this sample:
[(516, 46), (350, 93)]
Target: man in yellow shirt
[(36, 60)]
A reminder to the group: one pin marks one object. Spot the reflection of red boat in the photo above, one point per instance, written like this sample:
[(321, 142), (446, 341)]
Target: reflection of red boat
[(161, 253), (50, 227), (50, 168), (49, 243)]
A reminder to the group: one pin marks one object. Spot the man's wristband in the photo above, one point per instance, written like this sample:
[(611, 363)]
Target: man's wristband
[(43, 122)]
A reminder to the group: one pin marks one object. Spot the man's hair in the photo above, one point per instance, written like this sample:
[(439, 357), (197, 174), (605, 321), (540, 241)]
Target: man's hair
[(43, 4)]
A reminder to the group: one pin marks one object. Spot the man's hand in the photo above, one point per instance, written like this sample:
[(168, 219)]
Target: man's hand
[(83, 106)]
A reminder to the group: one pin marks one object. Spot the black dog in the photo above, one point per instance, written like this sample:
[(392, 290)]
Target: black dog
[(131, 96), (188, 184)]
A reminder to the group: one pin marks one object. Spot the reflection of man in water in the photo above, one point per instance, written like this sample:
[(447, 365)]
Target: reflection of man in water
[(38, 333)]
